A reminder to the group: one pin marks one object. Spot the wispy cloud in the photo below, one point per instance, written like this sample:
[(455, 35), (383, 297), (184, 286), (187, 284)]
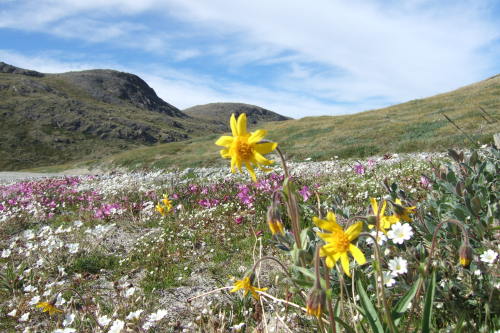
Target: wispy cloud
[(325, 57)]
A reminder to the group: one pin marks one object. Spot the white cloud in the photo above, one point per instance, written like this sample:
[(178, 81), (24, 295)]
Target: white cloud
[(331, 52)]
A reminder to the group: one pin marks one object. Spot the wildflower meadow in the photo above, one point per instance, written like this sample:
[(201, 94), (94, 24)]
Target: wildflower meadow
[(392, 243)]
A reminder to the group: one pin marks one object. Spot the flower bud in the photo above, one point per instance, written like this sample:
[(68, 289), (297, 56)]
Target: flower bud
[(274, 221), (316, 301), (465, 255)]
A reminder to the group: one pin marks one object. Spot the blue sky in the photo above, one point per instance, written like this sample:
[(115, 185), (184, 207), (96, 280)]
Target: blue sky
[(298, 58)]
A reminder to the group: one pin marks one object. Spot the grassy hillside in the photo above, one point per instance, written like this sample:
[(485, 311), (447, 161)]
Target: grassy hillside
[(417, 125)]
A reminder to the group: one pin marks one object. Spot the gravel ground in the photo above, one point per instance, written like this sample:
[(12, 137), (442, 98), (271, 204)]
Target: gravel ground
[(13, 176)]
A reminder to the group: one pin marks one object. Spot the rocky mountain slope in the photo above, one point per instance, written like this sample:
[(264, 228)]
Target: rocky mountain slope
[(219, 113), (56, 118)]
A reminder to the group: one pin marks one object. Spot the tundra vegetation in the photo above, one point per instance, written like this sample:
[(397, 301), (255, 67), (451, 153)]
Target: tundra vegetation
[(391, 243)]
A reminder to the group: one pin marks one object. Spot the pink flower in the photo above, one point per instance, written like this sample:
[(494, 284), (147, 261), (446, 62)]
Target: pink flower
[(424, 182), (359, 169), (305, 193), (239, 220)]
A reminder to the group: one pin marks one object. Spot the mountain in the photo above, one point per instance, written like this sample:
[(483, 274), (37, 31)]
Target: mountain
[(414, 126), (55, 118), (219, 113)]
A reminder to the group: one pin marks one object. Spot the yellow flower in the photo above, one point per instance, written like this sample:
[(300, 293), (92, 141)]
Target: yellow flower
[(160, 209), (164, 206), (48, 307), (276, 226), (338, 242), (403, 213), (244, 148), (166, 202), (385, 221), (246, 284)]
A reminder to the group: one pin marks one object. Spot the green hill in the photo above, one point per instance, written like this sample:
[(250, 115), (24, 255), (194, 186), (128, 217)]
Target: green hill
[(50, 119), (418, 125)]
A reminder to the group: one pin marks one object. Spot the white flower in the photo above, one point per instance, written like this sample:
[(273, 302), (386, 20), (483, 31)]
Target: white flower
[(60, 301), (489, 256), (73, 247), (129, 292), (24, 317), (380, 239), (398, 266), (64, 330), (238, 328), (6, 253), (158, 315), (117, 326), (68, 319), (78, 223), (388, 279), (29, 288), (477, 272), (104, 320), (34, 300), (12, 313), (400, 233), (134, 315), (29, 234)]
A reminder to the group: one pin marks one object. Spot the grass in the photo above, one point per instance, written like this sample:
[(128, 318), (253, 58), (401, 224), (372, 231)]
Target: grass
[(417, 125)]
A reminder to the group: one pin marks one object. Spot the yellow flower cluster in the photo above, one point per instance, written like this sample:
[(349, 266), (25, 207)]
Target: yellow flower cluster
[(164, 206)]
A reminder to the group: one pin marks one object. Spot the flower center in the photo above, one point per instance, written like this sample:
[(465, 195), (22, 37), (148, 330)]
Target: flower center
[(244, 150), (340, 242)]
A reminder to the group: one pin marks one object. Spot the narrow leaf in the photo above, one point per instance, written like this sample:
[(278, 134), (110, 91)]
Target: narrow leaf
[(370, 312), (429, 300), (404, 303)]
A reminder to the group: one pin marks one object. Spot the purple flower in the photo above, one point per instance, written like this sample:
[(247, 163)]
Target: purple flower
[(371, 163), (305, 193), (359, 169), (424, 182), (239, 220)]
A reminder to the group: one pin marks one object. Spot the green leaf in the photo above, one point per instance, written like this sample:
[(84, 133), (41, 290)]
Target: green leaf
[(369, 310), (429, 300), (404, 303)]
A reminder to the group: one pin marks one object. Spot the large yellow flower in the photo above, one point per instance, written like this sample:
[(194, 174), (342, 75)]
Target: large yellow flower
[(244, 148), (338, 242), (246, 284)]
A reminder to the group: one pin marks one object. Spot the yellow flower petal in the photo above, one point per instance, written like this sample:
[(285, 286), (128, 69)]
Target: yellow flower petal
[(357, 254), (259, 159), (265, 148), (242, 125), (257, 136), (344, 259), (329, 225), (225, 153), (234, 127), (224, 141), (251, 171), (354, 230)]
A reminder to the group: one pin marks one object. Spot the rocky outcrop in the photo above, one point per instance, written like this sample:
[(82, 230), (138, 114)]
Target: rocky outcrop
[(120, 88), (6, 68)]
